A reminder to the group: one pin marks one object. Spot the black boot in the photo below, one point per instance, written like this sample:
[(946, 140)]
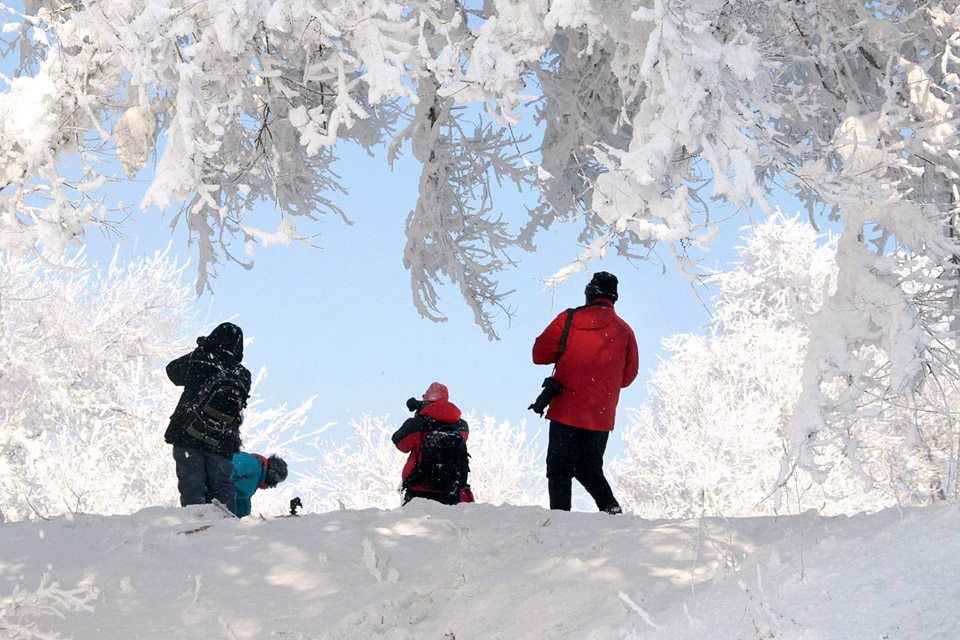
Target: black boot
[(560, 492)]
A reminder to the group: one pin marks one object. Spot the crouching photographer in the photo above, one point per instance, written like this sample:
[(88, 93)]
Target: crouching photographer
[(435, 438)]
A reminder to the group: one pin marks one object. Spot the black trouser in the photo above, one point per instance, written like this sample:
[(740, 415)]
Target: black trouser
[(577, 453), (202, 476)]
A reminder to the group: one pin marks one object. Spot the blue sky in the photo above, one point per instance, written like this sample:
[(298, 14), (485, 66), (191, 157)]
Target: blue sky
[(339, 321)]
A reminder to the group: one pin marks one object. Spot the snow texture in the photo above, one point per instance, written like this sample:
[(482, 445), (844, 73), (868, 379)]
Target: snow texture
[(480, 571)]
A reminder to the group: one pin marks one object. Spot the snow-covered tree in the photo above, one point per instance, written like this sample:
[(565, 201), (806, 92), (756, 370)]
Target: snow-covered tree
[(506, 463), (646, 113), (282, 431), (360, 472), (84, 398), (363, 470), (711, 437)]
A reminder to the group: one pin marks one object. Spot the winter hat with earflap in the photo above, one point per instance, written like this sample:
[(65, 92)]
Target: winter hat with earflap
[(435, 392), (276, 472), (602, 285)]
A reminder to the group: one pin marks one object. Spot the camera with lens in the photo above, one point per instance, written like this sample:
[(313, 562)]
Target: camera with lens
[(414, 405), (550, 389)]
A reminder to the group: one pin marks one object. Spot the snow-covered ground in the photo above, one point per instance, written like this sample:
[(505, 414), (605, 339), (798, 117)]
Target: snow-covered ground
[(480, 572)]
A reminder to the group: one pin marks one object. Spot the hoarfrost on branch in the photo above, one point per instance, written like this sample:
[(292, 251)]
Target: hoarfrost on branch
[(647, 115)]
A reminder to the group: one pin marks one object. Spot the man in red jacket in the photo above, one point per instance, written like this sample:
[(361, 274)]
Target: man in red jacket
[(599, 359)]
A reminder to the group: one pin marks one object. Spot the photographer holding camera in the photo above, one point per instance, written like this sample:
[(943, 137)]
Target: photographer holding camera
[(436, 439), (595, 353), (205, 427)]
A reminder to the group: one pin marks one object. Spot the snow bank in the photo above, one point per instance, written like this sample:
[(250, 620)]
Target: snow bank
[(479, 571)]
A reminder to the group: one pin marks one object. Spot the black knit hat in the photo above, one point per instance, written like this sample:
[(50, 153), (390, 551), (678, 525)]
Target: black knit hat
[(276, 471), (602, 285)]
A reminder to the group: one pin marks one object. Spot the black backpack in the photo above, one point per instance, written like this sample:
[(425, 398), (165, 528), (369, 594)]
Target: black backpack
[(443, 463), (217, 412)]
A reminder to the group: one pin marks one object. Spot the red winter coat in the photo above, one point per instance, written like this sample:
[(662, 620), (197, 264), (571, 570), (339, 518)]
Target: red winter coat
[(409, 438), (600, 359)]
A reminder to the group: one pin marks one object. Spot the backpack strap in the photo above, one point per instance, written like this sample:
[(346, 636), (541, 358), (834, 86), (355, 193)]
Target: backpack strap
[(196, 433), (425, 424), (418, 452), (569, 322), (566, 331)]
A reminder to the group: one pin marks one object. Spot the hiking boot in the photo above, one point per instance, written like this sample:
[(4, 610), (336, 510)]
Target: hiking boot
[(613, 509)]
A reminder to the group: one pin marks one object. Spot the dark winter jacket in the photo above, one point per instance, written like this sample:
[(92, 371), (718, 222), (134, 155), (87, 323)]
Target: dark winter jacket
[(409, 438), (600, 359), (221, 351), (249, 473)]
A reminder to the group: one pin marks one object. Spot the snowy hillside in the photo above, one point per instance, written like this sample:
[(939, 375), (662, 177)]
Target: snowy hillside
[(478, 571)]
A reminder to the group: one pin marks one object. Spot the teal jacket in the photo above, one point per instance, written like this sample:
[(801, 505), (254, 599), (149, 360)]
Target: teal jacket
[(249, 472)]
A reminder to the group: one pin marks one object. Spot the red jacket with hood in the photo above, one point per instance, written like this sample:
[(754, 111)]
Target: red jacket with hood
[(600, 359), (409, 437)]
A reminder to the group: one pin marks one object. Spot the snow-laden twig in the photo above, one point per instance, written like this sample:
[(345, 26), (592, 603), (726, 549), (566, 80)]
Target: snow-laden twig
[(21, 607)]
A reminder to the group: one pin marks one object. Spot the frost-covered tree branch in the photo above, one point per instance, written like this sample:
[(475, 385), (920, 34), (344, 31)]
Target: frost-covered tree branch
[(363, 470), (648, 115), (84, 397), (83, 393), (19, 608), (723, 406)]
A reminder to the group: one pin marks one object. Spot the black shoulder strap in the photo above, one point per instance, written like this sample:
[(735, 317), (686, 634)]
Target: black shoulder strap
[(569, 321), (566, 332)]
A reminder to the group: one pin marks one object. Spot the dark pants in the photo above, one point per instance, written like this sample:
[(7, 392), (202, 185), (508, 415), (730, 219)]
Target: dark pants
[(577, 453), (203, 476)]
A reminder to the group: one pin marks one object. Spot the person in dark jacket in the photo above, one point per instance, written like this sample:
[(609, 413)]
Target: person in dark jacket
[(435, 410), (599, 360), (204, 462), (251, 471)]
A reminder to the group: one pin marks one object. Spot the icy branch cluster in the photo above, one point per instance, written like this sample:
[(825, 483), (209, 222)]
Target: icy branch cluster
[(363, 470), (646, 116), (506, 462), (17, 609), (722, 406), (84, 397)]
